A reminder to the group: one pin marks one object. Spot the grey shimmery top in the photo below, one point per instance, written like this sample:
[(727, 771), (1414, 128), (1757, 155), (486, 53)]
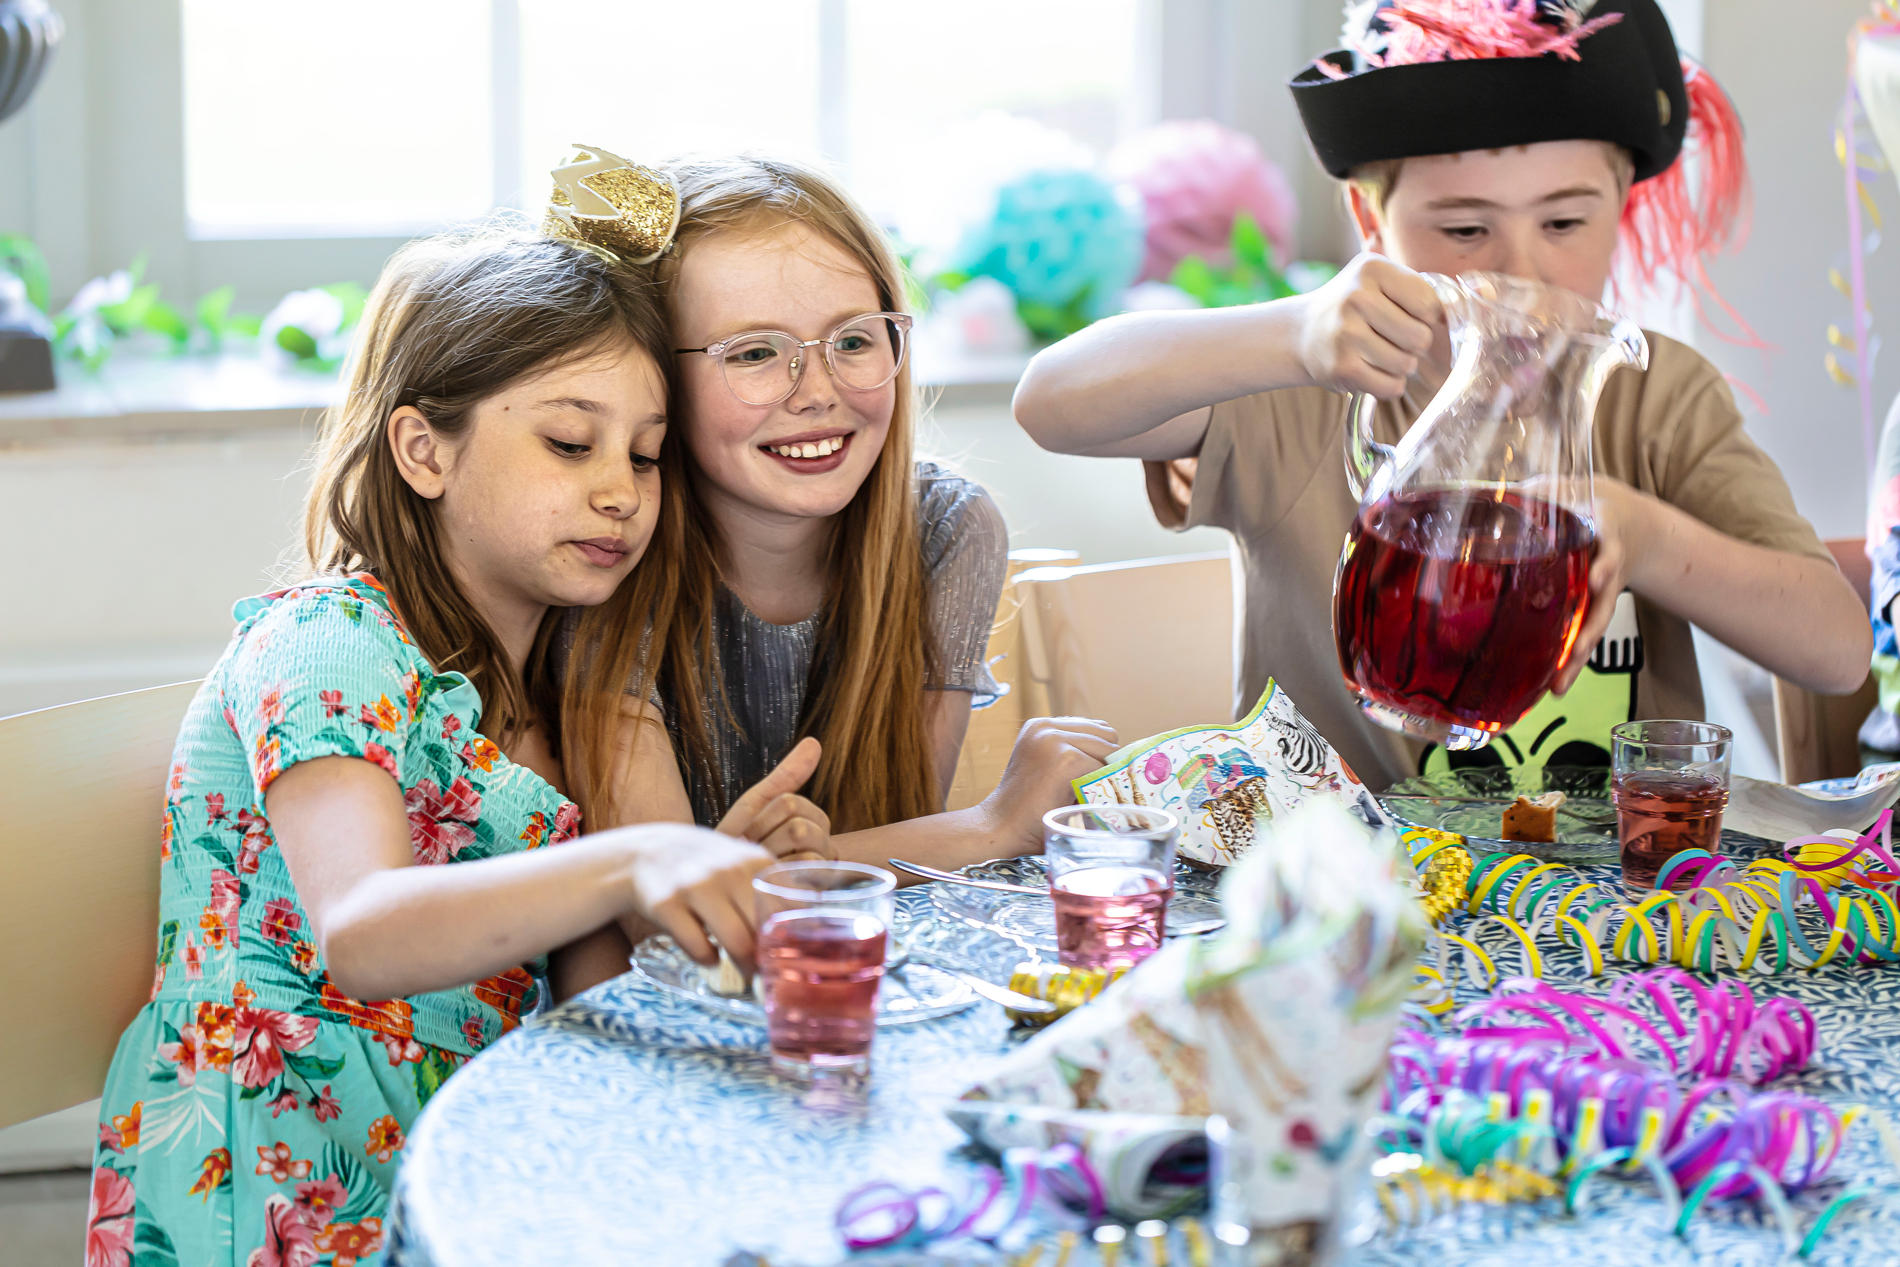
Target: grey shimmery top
[(765, 666)]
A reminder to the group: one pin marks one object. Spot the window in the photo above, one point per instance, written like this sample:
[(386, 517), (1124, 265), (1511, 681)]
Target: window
[(353, 118), (393, 117)]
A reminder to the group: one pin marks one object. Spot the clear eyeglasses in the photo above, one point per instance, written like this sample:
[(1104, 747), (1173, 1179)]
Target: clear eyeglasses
[(762, 367)]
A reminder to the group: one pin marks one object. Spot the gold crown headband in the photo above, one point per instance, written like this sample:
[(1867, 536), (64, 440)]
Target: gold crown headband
[(618, 210)]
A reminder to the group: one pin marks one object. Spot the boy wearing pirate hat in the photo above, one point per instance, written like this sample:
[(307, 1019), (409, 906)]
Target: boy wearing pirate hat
[(1530, 137)]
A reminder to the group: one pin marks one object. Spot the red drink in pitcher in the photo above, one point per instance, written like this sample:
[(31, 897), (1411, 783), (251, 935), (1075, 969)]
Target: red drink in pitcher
[(1459, 605), (818, 977), (1659, 814), (1109, 916)]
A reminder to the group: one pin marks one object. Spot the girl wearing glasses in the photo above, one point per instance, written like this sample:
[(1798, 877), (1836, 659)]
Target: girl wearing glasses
[(833, 585)]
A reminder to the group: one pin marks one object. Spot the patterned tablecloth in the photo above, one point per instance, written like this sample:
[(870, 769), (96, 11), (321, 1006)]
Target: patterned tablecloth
[(628, 1126)]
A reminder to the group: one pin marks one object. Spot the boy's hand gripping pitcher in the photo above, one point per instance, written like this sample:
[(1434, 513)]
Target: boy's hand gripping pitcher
[(1465, 574)]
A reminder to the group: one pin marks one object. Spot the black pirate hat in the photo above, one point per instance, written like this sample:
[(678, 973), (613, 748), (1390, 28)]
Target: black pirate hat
[(1446, 76)]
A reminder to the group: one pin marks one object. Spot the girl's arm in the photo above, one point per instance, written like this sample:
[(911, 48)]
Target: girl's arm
[(946, 723), (1141, 384), (389, 928), (1795, 616), (1049, 752), (648, 789)]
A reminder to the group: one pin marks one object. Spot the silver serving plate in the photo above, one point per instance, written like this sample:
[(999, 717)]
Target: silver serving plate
[(910, 991), (1029, 920), (1472, 803)]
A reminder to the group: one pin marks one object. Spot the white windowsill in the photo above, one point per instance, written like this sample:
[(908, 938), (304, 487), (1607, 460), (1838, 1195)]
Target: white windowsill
[(136, 397)]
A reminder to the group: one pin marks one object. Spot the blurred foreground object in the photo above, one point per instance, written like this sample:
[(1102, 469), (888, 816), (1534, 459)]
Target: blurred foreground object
[(29, 32)]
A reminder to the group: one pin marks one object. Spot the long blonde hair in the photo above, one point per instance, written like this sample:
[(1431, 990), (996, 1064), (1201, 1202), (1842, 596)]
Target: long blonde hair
[(452, 321), (875, 654)]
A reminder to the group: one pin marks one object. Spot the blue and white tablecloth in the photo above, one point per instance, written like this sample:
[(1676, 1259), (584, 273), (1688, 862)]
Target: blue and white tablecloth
[(630, 1127)]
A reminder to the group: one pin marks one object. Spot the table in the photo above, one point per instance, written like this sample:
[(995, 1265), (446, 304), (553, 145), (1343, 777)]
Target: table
[(627, 1126)]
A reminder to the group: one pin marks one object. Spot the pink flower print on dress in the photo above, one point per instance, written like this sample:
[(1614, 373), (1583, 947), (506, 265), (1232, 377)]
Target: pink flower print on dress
[(333, 705), (401, 1048), (219, 920), (194, 956), (257, 838), (376, 754), (261, 1040), (450, 725), (326, 1106), (109, 1222), (188, 1054), (567, 822), (270, 709), (281, 921), (285, 1102), (175, 783), (214, 807), (472, 1030), (440, 822), (277, 1162), (289, 1241), (412, 692), (321, 1200)]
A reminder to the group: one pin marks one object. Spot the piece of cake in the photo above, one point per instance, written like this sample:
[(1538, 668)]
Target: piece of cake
[(1533, 819)]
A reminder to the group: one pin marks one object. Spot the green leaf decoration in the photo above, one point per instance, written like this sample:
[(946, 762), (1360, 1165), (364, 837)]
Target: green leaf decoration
[(297, 343), (215, 308), (167, 943), (953, 280), (1194, 276), (1250, 244), (309, 1067), (164, 320), (150, 1246), (251, 1093), (20, 256), (1051, 322), (171, 1031), (166, 1072)]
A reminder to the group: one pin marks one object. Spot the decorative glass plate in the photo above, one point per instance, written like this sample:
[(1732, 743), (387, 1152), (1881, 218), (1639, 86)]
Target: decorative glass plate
[(910, 991), (1472, 803), (1029, 920)]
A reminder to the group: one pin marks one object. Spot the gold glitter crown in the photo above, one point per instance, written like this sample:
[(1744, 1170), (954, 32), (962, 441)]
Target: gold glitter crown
[(619, 210)]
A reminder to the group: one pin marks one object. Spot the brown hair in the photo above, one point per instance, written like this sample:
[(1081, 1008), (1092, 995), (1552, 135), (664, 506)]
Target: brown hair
[(1377, 179), (452, 321), (875, 652)]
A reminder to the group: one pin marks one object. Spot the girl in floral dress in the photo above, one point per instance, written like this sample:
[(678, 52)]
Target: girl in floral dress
[(359, 878)]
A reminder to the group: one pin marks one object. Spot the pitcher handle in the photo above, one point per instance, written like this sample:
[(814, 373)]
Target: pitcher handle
[(1364, 455)]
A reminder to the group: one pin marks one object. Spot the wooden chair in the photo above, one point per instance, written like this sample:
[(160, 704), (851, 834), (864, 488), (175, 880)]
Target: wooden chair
[(992, 734), (1147, 646), (1819, 735), (81, 801)]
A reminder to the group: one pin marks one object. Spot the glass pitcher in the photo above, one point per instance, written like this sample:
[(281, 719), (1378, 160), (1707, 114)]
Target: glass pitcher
[(1465, 575)]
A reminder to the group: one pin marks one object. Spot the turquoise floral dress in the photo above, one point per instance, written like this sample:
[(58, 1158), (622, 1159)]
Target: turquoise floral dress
[(254, 1114)]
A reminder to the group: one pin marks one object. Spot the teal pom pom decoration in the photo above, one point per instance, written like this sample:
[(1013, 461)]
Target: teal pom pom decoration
[(1067, 242)]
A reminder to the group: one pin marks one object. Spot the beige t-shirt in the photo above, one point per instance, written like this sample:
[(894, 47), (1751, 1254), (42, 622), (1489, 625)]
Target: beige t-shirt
[(1272, 471)]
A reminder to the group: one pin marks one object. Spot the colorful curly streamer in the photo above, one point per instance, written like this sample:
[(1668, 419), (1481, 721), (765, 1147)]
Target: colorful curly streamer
[(1747, 917), (1479, 1115), (883, 1215)]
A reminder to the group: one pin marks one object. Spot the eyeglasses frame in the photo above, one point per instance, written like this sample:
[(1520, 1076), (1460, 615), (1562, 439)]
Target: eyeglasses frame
[(902, 320)]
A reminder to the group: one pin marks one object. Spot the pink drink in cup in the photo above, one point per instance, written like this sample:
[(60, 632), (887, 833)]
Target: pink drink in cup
[(822, 937), (1111, 877)]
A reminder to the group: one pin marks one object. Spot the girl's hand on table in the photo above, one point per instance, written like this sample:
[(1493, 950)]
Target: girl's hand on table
[(772, 813), (1620, 513), (693, 882), (1049, 752)]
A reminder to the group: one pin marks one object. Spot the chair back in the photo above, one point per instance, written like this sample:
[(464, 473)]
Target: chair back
[(1818, 736), (1146, 646), (81, 808)]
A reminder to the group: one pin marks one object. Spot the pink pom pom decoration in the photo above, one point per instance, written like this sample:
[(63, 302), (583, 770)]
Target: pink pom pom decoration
[(1195, 176)]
